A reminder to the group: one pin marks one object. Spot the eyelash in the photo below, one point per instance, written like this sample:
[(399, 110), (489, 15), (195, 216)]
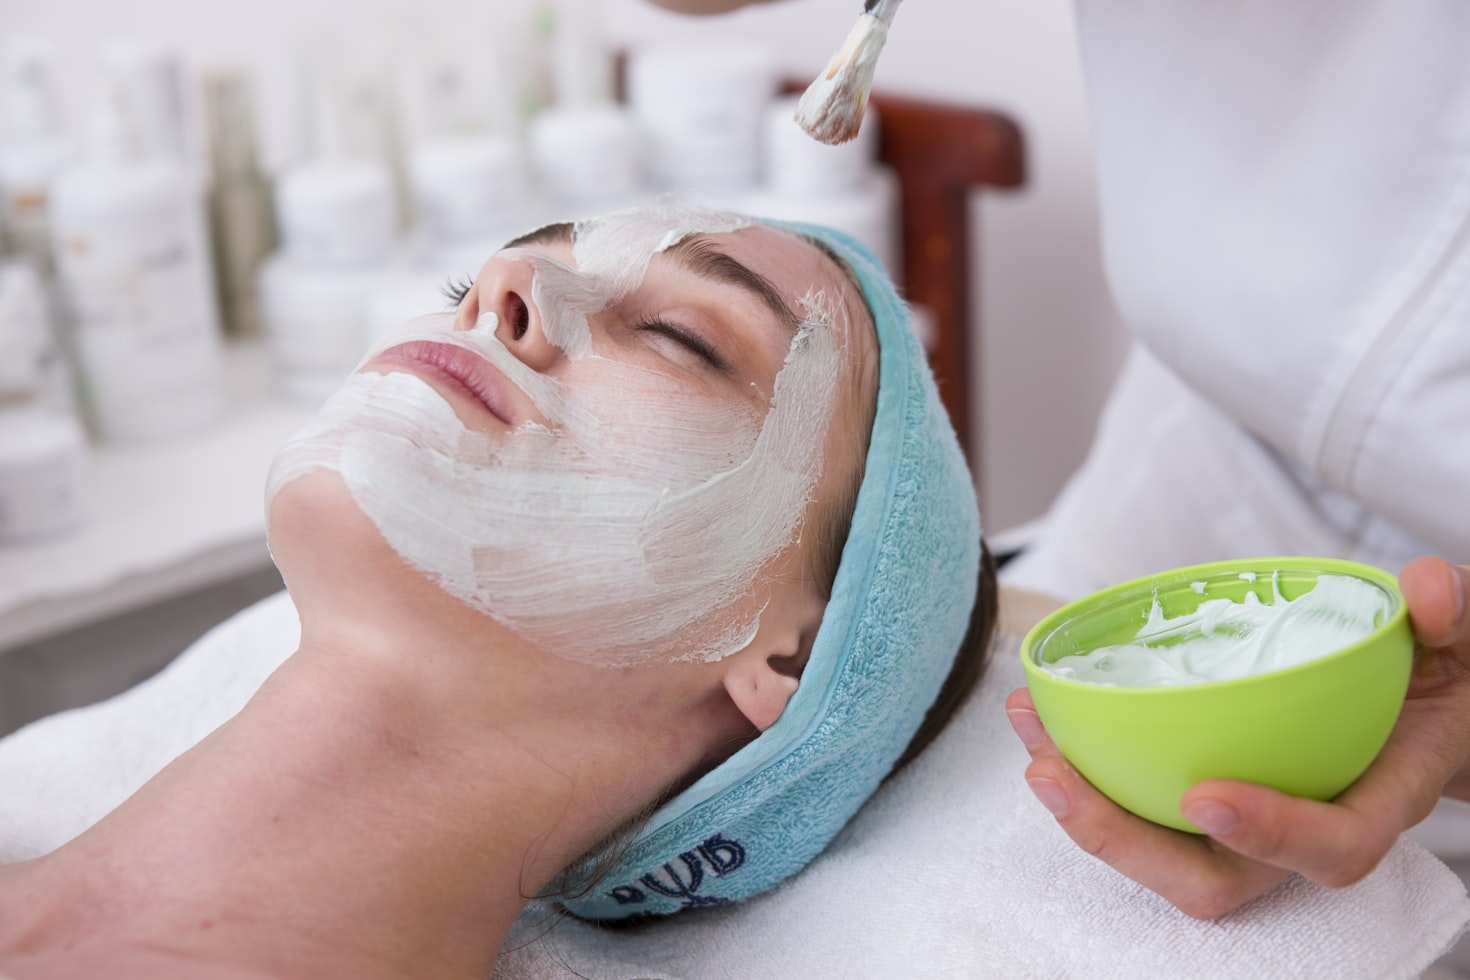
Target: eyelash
[(456, 288), (693, 342)]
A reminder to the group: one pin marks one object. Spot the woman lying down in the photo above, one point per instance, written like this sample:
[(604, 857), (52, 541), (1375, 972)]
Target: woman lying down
[(624, 585)]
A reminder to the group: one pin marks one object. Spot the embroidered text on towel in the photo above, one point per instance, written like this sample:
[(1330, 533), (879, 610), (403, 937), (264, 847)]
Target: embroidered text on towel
[(721, 855)]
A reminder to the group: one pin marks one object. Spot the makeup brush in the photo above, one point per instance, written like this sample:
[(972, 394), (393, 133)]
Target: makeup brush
[(831, 109)]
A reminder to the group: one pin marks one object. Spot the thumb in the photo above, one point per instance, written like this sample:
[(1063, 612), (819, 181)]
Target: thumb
[(1437, 594)]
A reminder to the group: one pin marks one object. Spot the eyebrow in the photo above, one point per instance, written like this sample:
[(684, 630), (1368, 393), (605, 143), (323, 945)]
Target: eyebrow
[(703, 258), (558, 233)]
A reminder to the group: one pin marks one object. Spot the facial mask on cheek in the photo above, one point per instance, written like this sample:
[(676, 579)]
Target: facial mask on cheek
[(632, 530)]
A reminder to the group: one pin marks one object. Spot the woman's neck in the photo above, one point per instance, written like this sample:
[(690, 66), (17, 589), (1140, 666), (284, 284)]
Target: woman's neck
[(366, 813)]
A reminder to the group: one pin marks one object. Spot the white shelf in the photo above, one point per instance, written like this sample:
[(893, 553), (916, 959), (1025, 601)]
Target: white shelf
[(163, 519)]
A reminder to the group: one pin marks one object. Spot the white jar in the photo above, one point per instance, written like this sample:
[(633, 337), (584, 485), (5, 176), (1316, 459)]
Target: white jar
[(154, 74), (467, 188), (841, 186), (699, 110), (401, 298), (314, 324), (586, 157), (796, 164), (337, 213), (42, 473)]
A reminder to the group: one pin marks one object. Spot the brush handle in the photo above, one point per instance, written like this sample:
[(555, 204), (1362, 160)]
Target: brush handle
[(882, 9)]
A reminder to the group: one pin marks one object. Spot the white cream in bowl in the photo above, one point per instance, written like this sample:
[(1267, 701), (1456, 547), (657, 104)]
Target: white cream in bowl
[(1224, 640)]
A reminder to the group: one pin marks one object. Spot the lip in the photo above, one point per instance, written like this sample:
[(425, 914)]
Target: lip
[(466, 373)]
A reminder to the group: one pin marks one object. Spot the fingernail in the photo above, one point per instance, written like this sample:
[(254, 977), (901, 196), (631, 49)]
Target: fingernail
[(1212, 816), (1051, 795), (1462, 580), (1028, 727)]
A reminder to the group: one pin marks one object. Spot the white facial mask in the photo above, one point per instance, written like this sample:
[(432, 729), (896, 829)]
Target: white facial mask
[(631, 528)]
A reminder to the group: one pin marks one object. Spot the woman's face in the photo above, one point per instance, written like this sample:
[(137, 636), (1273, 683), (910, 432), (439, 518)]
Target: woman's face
[(615, 436)]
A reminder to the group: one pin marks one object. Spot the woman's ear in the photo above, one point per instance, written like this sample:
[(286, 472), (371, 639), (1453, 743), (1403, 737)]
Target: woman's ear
[(761, 679), (759, 689)]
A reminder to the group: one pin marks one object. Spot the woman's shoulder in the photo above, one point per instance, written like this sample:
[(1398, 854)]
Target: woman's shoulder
[(64, 772)]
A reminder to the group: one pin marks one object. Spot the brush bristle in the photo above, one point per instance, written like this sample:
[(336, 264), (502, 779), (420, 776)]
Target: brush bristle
[(831, 109)]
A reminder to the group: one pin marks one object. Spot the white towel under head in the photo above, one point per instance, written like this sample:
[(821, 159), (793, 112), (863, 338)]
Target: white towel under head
[(952, 869)]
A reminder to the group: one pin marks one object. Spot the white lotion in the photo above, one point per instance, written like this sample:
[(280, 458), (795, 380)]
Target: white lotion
[(630, 528), (1223, 640)]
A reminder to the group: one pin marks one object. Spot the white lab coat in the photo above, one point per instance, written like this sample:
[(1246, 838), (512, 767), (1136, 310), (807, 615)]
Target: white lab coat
[(1285, 190), (1285, 195)]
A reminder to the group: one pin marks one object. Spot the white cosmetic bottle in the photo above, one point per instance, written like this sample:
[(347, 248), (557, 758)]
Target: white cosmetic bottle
[(338, 222), (314, 324), (338, 207), (337, 212), (841, 186), (467, 190), (155, 72), (466, 161), (699, 110), (584, 147), (337, 215), (32, 149), (466, 167), (42, 446), (131, 251)]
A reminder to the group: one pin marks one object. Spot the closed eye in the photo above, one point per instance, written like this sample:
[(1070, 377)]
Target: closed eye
[(693, 342)]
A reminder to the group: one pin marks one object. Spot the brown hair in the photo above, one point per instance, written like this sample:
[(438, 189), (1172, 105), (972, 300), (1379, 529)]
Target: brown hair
[(969, 663)]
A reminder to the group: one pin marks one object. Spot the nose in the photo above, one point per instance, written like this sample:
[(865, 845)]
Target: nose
[(503, 287)]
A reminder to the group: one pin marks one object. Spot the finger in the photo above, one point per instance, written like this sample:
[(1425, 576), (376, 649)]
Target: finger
[(1437, 594), (1198, 877), (1021, 712), (1332, 844), (1338, 843)]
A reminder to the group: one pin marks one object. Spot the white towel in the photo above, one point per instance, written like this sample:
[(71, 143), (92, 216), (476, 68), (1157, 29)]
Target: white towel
[(952, 870), (60, 775)]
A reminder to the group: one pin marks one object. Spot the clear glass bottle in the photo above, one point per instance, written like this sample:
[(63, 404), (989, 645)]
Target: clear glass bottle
[(241, 216)]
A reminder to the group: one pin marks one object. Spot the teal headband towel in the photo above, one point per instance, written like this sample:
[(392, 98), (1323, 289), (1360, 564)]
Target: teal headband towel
[(899, 610)]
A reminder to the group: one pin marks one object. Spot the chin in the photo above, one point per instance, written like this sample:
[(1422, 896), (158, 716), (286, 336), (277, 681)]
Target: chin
[(313, 526), (337, 566)]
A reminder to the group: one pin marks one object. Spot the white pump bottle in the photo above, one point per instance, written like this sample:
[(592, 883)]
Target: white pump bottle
[(131, 251)]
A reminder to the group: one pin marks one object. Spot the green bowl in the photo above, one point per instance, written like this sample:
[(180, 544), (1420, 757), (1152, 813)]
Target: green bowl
[(1307, 730)]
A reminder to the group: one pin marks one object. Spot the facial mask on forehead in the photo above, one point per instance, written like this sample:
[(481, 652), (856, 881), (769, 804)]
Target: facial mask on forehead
[(612, 254), (633, 526)]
